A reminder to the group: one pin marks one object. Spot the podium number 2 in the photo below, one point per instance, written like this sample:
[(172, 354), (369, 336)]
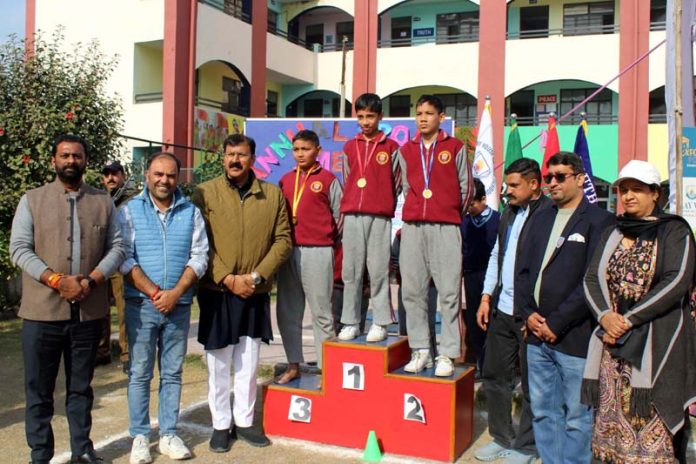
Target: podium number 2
[(413, 408), (353, 376), (300, 409)]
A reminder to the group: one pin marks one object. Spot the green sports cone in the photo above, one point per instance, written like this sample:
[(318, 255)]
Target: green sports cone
[(372, 452)]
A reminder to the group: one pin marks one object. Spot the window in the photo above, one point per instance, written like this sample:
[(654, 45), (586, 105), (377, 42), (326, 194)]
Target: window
[(233, 7), (399, 106), (461, 107), (588, 18), (534, 21), (272, 21), (314, 33), (344, 29), (401, 32), (457, 27), (599, 109), (336, 109), (272, 104), (231, 95), (658, 15)]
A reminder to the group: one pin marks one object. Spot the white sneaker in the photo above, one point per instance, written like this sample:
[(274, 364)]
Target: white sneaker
[(349, 332), (377, 333), (420, 359), (140, 451), (443, 366), (173, 446)]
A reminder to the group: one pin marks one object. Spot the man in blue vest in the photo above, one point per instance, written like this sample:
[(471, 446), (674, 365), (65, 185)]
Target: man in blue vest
[(167, 252)]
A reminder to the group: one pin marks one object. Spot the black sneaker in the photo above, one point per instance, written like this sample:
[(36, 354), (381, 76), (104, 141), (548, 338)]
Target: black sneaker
[(252, 436), (220, 441)]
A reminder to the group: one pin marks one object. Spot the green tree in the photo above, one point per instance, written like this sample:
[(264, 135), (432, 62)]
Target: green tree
[(52, 91)]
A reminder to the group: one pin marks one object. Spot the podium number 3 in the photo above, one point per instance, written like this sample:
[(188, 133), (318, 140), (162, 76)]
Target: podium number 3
[(353, 376), (413, 408), (300, 409)]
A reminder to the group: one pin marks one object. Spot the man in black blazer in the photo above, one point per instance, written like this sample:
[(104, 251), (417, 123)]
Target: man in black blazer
[(549, 295)]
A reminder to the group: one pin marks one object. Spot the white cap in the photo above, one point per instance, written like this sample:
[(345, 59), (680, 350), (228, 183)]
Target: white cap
[(639, 170)]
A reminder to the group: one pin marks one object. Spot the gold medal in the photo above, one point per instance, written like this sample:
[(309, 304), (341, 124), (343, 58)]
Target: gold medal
[(362, 182), (427, 194)]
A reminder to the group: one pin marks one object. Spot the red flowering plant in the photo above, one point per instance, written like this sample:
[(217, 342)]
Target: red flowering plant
[(53, 90)]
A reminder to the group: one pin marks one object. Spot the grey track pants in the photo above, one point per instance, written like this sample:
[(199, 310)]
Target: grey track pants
[(305, 278), (366, 240), (434, 251)]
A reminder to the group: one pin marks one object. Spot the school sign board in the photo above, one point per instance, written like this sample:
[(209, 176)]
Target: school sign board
[(689, 175), (274, 141)]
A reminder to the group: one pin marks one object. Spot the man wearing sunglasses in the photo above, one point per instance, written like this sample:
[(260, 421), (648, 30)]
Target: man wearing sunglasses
[(549, 295)]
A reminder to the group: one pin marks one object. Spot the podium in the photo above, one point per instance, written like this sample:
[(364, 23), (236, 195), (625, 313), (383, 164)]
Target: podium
[(363, 388)]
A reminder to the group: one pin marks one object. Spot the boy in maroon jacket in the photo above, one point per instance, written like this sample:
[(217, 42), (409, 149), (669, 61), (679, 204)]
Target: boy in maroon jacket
[(437, 184), (371, 180), (313, 197)]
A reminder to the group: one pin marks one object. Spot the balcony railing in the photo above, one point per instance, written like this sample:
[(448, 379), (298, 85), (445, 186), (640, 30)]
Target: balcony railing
[(438, 39), (658, 26), (564, 31), (229, 8), (657, 118), (599, 119), (222, 106), (149, 97)]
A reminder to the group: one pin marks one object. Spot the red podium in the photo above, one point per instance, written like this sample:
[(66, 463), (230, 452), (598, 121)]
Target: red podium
[(363, 388)]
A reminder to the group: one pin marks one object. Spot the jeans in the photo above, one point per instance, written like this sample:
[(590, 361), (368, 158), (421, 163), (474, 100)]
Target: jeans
[(562, 425), (151, 332), (44, 343), (504, 348)]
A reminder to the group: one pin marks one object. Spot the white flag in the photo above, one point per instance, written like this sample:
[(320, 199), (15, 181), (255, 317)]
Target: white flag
[(483, 167)]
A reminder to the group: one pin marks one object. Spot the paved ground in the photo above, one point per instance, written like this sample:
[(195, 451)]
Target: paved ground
[(111, 417)]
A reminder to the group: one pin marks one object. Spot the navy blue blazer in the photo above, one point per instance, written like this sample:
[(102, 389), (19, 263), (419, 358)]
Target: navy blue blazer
[(561, 295)]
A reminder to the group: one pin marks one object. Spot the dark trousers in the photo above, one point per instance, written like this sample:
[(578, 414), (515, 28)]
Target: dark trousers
[(475, 336), (504, 349), (43, 345)]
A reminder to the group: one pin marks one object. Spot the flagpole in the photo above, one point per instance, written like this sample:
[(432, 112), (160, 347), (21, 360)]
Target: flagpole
[(678, 107)]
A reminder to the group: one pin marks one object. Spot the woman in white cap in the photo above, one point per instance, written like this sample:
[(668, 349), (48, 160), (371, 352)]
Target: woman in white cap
[(640, 374)]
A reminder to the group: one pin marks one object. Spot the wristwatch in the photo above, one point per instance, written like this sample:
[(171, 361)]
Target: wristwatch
[(256, 278), (91, 282)]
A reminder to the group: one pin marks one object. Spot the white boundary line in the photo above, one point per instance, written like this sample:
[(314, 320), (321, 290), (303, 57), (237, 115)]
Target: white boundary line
[(65, 456)]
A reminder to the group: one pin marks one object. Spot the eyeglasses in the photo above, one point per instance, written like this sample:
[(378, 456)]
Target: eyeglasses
[(560, 177)]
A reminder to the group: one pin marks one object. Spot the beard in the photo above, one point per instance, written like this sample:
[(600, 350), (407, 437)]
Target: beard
[(70, 174)]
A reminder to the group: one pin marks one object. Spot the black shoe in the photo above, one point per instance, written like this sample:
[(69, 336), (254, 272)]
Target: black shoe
[(252, 436), (220, 441), (90, 457)]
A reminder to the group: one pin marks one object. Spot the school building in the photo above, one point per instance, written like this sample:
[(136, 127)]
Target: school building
[(190, 71)]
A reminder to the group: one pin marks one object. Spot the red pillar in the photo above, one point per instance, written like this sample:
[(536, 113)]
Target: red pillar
[(177, 53), (365, 47), (491, 71), (30, 25), (633, 86), (259, 28)]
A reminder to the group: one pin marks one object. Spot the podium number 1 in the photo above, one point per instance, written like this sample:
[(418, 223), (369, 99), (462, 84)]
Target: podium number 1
[(413, 408), (353, 376), (300, 409)]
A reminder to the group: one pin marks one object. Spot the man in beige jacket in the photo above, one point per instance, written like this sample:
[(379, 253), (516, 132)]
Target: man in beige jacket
[(249, 235), (67, 241)]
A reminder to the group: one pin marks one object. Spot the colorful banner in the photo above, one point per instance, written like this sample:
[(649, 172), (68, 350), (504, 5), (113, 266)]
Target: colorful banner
[(689, 175), (274, 141), (211, 128)]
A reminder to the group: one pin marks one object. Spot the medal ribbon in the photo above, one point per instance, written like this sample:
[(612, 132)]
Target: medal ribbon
[(367, 158), (425, 159), (297, 195)]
